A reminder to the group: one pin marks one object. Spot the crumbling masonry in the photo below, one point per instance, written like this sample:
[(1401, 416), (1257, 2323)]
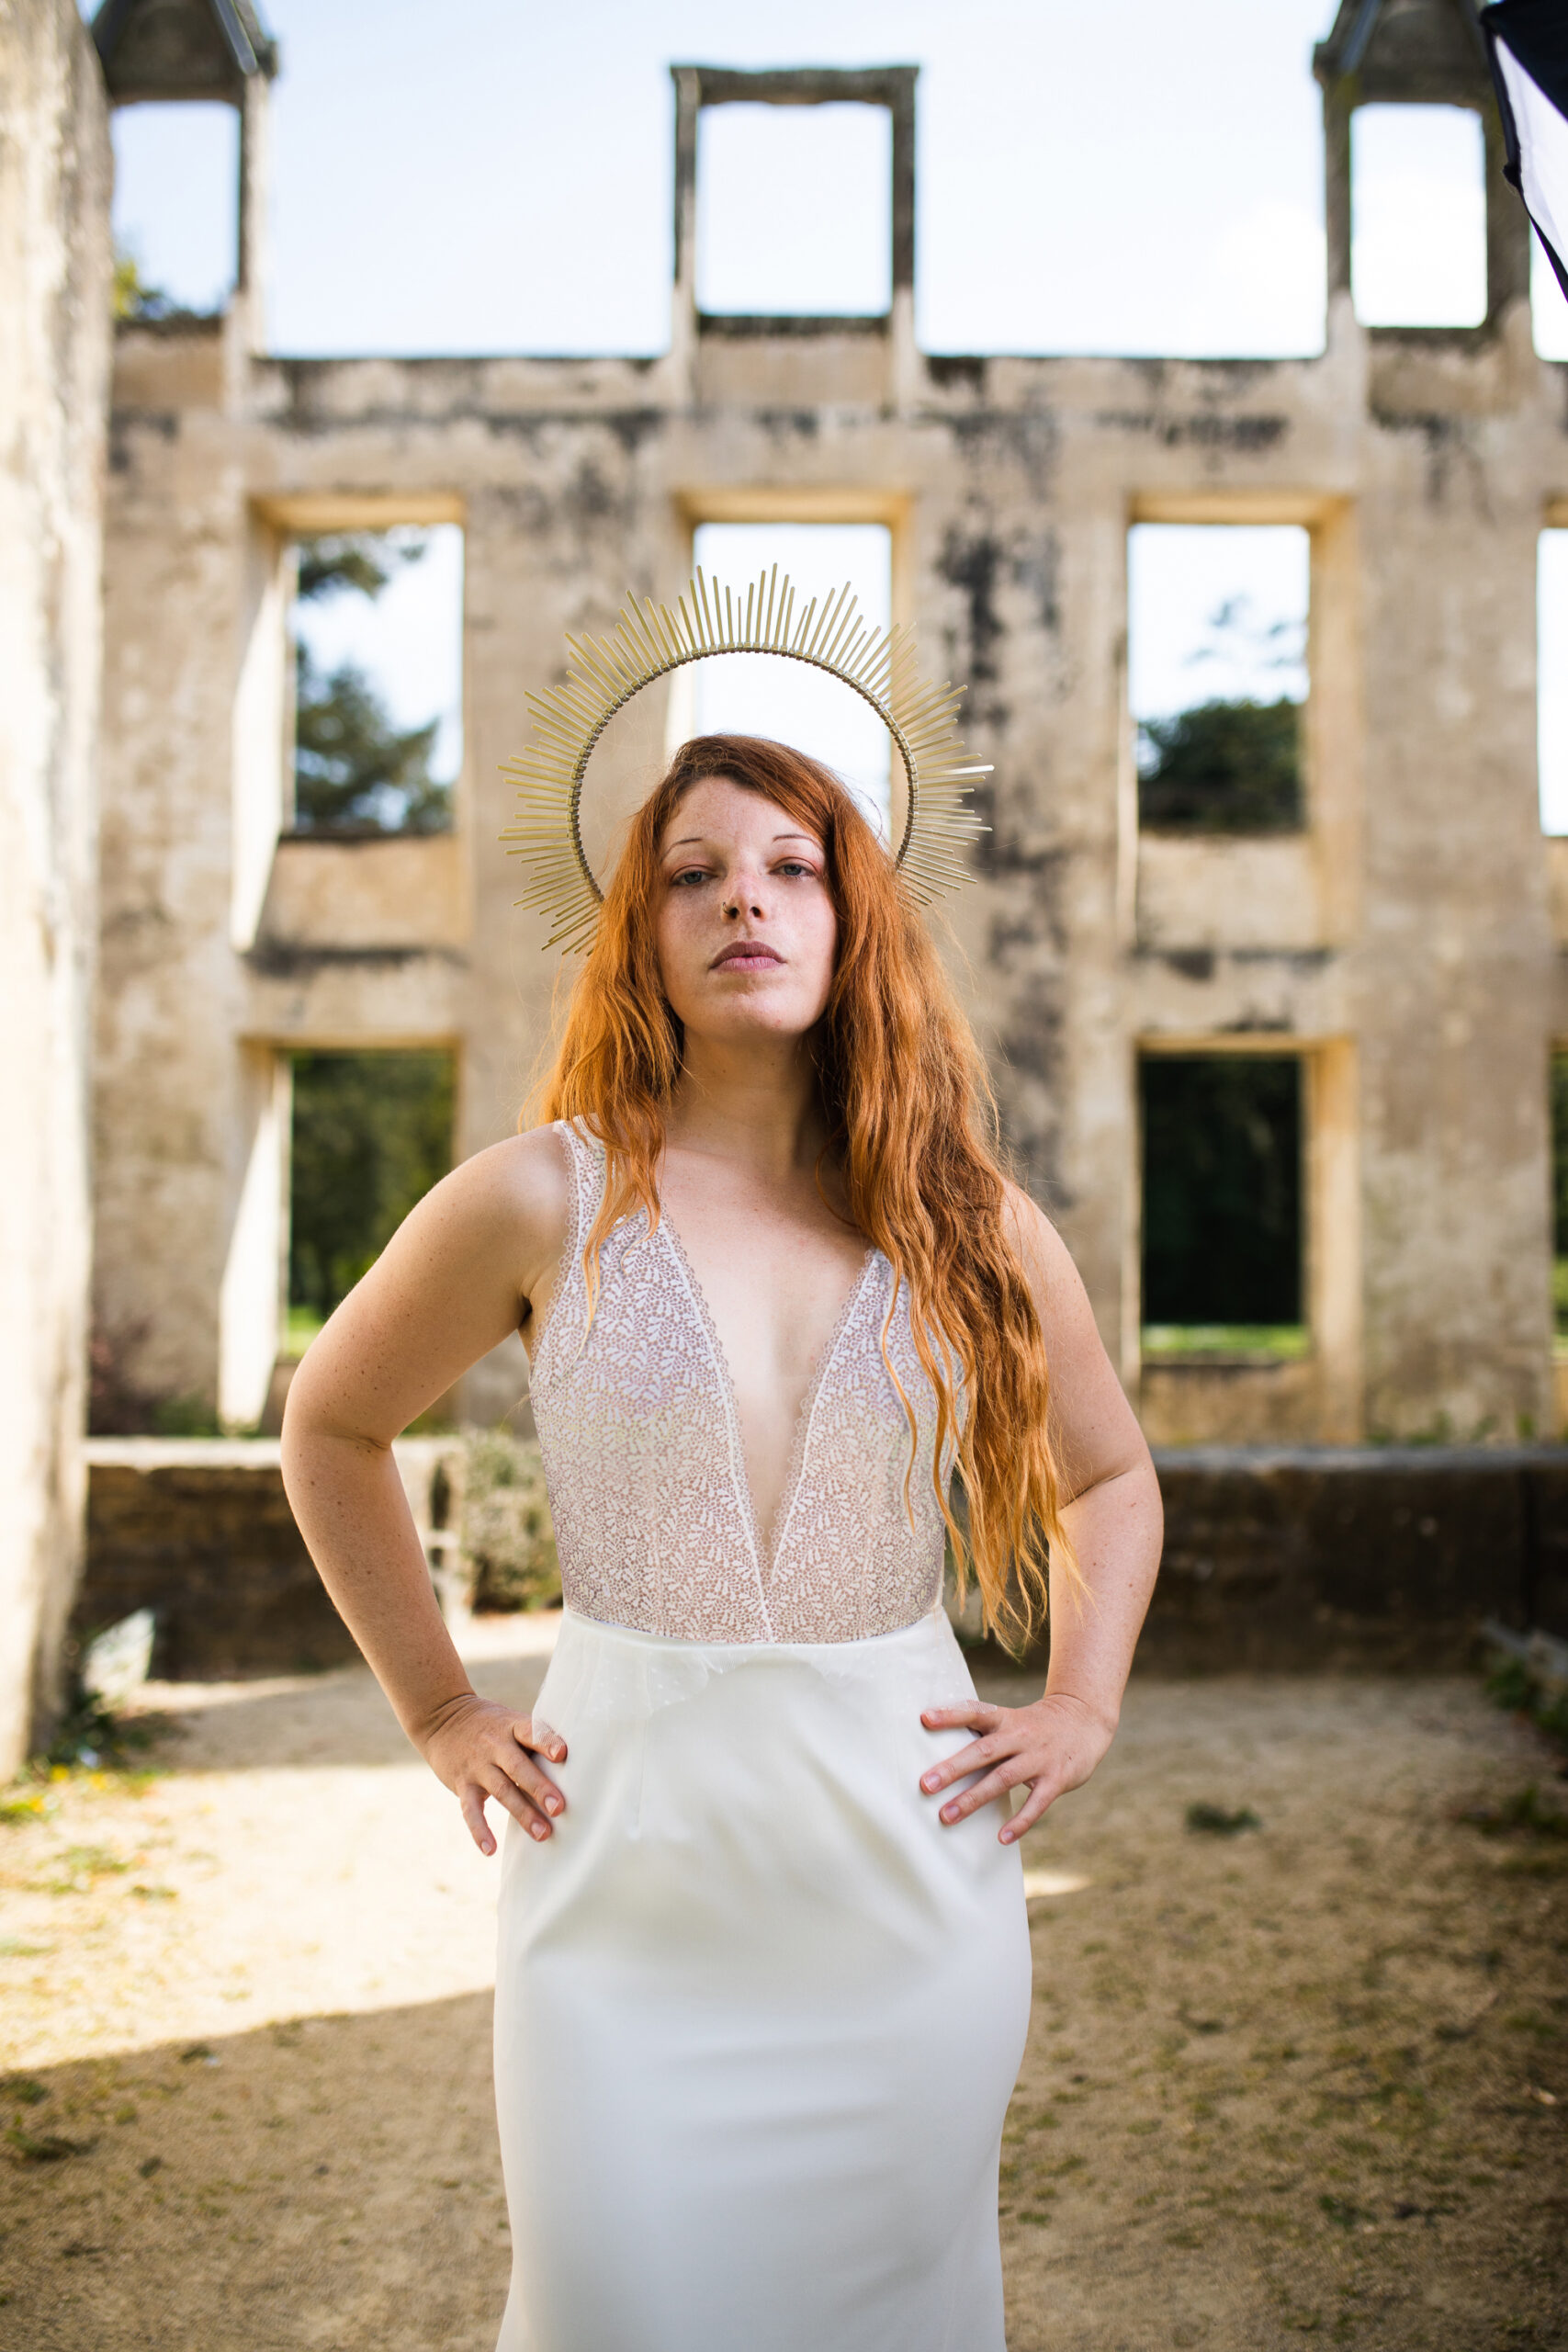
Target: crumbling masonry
[(1407, 941)]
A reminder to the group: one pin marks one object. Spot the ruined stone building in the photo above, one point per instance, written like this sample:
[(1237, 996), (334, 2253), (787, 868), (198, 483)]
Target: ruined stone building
[(1399, 946)]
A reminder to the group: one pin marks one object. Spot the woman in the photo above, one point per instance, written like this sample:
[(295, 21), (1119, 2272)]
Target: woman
[(764, 1976)]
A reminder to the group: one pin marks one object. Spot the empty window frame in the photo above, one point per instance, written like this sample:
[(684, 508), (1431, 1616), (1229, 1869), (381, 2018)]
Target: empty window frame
[(1552, 678), (1418, 216), (1217, 674), (377, 622), (370, 1134), (1559, 1200), (176, 208), (1223, 1243), (739, 694), (794, 209)]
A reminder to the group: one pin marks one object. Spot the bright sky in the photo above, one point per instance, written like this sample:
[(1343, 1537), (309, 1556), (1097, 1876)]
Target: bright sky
[(1134, 177), (496, 175), (409, 641), (738, 693), (1216, 612)]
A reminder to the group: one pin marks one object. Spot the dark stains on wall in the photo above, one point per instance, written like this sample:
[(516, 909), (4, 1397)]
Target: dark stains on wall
[(1450, 454), (1242, 437), (972, 561), (125, 424), (1029, 439), (1035, 565), (954, 371)]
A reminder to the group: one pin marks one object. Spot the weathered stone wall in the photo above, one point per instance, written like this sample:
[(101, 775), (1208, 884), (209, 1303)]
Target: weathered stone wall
[(54, 351), (1404, 942), (1383, 1559), (1386, 1559), (200, 1533)]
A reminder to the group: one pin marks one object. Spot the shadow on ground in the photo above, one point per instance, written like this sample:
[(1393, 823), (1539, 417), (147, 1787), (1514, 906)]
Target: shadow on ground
[(330, 2182), (1308, 2078)]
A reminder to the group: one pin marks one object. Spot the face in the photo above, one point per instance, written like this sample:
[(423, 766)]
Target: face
[(746, 928)]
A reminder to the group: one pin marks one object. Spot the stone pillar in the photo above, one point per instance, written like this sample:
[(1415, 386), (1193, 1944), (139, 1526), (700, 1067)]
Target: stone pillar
[(55, 176)]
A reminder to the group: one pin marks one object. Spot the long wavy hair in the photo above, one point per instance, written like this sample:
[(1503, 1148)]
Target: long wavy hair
[(911, 1125)]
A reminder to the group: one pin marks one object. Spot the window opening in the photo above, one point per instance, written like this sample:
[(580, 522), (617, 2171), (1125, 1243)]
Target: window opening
[(371, 1133), (1217, 674), (1222, 1225), (1560, 1201), (1551, 679), (1418, 216), (739, 694), (378, 630), (794, 209), (1549, 306), (176, 208)]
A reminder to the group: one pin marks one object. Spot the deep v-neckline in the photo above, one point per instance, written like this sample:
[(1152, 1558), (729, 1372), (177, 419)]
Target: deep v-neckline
[(765, 1561)]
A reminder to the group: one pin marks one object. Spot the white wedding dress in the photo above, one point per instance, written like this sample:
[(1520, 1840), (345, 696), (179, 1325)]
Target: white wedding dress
[(758, 2012)]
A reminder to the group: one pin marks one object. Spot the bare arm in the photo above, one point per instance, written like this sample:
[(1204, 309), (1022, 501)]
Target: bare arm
[(1115, 1521), (461, 1273)]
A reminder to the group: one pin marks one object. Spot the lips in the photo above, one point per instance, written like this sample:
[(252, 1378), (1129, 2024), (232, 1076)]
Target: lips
[(746, 955)]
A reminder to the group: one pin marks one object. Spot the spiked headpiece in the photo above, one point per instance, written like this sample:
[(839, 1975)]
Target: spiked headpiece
[(650, 641)]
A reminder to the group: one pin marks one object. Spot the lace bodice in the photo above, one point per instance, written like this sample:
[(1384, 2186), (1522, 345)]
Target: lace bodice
[(642, 1442)]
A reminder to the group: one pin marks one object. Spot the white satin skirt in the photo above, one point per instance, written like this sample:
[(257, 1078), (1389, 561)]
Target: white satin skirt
[(758, 2013)]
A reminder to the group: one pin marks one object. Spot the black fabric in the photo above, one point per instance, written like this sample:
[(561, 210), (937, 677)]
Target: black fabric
[(1536, 31)]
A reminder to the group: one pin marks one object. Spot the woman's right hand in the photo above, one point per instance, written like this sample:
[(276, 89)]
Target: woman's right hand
[(480, 1749)]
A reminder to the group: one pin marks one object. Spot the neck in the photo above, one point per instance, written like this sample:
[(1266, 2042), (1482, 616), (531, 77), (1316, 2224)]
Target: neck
[(754, 1103)]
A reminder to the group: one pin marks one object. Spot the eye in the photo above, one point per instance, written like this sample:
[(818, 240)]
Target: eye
[(687, 876), (796, 866)]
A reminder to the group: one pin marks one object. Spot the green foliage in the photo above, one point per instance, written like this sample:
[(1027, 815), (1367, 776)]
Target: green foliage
[(1223, 767), (354, 772), (372, 1134), (1222, 1189), (1266, 1341), (507, 1538), (92, 1735), (1560, 1187), (360, 561), (133, 297), (1213, 1821), (1513, 1684)]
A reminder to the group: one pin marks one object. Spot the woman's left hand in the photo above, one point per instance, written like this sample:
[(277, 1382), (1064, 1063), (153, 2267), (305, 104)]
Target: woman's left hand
[(1052, 1747)]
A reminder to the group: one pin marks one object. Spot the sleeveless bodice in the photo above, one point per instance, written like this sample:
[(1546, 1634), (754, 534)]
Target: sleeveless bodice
[(642, 1442)]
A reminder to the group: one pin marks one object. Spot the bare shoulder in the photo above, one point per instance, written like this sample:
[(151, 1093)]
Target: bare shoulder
[(1036, 1240), (523, 1183)]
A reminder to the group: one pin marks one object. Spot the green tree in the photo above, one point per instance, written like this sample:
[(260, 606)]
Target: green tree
[(1223, 767), (1222, 1189), (133, 297), (372, 1133), (354, 771)]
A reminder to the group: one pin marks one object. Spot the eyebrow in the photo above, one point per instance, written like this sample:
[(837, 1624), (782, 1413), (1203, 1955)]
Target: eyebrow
[(687, 840)]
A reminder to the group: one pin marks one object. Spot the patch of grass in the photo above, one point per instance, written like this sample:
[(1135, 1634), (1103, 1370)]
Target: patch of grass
[(1513, 1684), (44, 2148), (1526, 1809), (91, 1736), (1214, 1821)]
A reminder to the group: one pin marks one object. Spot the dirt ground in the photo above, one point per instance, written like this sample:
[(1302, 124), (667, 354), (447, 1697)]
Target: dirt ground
[(1308, 2078)]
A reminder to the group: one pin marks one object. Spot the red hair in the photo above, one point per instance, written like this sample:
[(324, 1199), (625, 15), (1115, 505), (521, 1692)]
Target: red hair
[(910, 1117)]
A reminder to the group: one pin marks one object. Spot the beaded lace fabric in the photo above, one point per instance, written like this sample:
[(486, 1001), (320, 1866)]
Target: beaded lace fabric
[(641, 1444)]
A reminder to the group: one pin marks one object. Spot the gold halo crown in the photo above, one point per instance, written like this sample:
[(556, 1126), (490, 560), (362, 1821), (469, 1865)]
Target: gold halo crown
[(604, 673)]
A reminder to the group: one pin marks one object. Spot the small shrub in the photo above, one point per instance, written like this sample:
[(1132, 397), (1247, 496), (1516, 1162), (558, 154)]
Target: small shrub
[(509, 1541), (1214, 1821)]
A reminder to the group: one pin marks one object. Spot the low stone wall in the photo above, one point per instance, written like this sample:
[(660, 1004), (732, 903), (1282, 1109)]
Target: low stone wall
[(1368, 1556), (199, 1530), (1297, 1558)]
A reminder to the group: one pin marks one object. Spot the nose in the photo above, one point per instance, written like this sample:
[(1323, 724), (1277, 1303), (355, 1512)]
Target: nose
[(745, 896)]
